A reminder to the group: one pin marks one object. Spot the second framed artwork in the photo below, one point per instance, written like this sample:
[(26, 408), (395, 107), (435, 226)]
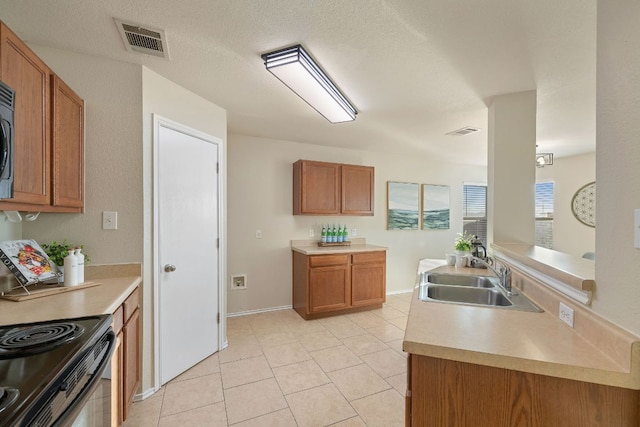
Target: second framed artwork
[(411, 206)]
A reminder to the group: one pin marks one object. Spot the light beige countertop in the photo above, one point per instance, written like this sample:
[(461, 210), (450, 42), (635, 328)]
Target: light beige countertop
[(114, 287), (310, 247), (538, 343)]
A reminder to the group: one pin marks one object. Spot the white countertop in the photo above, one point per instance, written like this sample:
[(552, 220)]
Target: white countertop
[(310, 247)]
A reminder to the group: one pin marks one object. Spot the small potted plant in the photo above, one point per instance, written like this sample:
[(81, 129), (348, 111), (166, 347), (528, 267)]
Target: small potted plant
[(463, 242), (57, 251)]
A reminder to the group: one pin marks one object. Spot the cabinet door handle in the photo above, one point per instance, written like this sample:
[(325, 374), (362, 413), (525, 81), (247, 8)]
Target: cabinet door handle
[(169, 268)]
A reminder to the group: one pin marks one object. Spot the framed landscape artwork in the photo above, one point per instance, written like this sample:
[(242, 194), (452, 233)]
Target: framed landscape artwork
[(403, 205), (435, 207)]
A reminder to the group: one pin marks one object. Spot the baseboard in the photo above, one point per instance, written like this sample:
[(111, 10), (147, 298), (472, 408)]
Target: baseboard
[(144, 395), (407, 291), (261, 310)]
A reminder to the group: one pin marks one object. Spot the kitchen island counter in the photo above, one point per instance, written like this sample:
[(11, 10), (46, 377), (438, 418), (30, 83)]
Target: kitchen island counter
[(538, 343)]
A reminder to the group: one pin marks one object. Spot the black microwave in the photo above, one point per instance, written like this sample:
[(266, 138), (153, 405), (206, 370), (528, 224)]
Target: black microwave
[(7, 107)]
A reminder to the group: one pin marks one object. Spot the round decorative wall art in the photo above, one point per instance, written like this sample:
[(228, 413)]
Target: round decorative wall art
[(583, 204)]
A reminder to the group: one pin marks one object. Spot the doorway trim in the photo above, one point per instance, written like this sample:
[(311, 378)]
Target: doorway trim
[(159, 121)]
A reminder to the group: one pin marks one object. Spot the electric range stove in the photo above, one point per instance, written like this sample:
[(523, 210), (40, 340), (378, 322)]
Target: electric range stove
[(49, 369)]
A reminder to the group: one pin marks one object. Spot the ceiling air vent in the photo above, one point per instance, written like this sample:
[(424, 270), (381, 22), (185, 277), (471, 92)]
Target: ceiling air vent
[(146, 40), (463, 131)]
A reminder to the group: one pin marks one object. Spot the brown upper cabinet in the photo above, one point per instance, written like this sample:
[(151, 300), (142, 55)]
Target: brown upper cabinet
[(48, 130), (322, 188)]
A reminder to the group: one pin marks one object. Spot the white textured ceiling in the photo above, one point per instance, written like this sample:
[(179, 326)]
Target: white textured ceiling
[(414, 69)]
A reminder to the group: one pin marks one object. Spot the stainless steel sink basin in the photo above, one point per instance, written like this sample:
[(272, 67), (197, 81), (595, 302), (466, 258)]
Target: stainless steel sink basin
[(483, 291), (459, 280), (468, 295)]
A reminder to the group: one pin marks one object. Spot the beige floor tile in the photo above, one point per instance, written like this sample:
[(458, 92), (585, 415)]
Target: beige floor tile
[(358, 381), (190, 394), (210, 415), (245, 371), (253, 400), (387, 332), (402, 306), (334, 358), (388, 312), (351, 422), (303, 327), (345, 329), (319, 406), (366, 319), (319, 341), (208, 366), (386, 363), (399, 382), (363, 344), (300, 376), (286, 354), (397, 346), (281, 418), (145, 413), (238, 349), (400, 322), (275, 337), (385, 409)]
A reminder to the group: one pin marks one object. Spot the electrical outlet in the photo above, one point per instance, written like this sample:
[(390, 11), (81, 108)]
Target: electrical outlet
[(239, 281), (258, 234), (312, 233), (566, 314), (354, 232)]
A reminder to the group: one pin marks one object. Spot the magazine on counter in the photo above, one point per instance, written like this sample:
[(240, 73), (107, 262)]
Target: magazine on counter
[(27, 261)]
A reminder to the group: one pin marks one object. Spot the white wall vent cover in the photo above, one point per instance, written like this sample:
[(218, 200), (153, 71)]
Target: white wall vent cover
[(464, 131), (143, 39)]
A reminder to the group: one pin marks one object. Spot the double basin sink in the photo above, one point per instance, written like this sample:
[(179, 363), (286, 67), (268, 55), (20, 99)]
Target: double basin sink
[(471, 290)]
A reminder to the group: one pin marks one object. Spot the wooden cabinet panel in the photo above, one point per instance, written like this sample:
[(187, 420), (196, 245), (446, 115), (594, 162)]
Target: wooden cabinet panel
[(131, 362), (329, 288), (357, 190), (318, 186), (67, 145), (117, 391), (321, 188), (25, 73), (447, 393), (338, 282)]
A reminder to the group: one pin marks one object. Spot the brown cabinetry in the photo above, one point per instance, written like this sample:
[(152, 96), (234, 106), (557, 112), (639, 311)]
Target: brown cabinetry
[(335, 283), (449, 393), (322, 188), (125, 362), (49, 133)]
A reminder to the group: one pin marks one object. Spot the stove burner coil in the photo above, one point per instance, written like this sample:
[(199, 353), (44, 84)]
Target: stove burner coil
[(7, 397), (38, 338)]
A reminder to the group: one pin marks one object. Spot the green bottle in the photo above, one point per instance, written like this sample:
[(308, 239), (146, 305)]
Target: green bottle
[(323, 236)]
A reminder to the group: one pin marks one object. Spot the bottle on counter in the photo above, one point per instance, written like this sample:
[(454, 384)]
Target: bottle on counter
[(323, 235), (334, 234), (345, 234), (70, 269), (80, 258), (340, 235)]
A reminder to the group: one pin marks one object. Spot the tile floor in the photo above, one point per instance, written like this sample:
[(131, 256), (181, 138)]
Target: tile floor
[(280, 370)]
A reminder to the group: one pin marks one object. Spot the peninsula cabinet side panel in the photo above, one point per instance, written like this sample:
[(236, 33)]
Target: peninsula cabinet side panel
[(450, 393)]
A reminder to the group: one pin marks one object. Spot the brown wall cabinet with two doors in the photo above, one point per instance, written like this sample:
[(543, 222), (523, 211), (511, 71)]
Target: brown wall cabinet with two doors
[(49, 133), (321, 188)]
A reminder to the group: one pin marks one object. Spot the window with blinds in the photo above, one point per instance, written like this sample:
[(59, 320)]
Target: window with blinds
[(544, 214), (474, 211)]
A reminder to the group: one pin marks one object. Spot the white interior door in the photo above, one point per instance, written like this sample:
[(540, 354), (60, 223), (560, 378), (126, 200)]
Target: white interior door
[(187, 258)]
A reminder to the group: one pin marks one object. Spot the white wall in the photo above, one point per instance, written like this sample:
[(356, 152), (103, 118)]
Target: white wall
[(617, 295), (568, 175), (260, 181)]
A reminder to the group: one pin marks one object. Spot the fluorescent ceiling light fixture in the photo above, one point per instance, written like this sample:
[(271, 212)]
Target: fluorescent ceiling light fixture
[(294, 67), (544, 159)]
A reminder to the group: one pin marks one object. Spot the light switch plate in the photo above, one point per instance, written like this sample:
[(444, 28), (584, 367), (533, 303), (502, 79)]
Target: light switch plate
[(636, 228), (109, 220)]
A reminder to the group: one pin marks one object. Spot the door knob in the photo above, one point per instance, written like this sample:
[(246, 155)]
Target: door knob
[(169, 268)]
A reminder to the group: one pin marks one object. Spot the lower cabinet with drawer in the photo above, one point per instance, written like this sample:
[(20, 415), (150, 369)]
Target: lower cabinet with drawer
[(125, 362), (338, 283)]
